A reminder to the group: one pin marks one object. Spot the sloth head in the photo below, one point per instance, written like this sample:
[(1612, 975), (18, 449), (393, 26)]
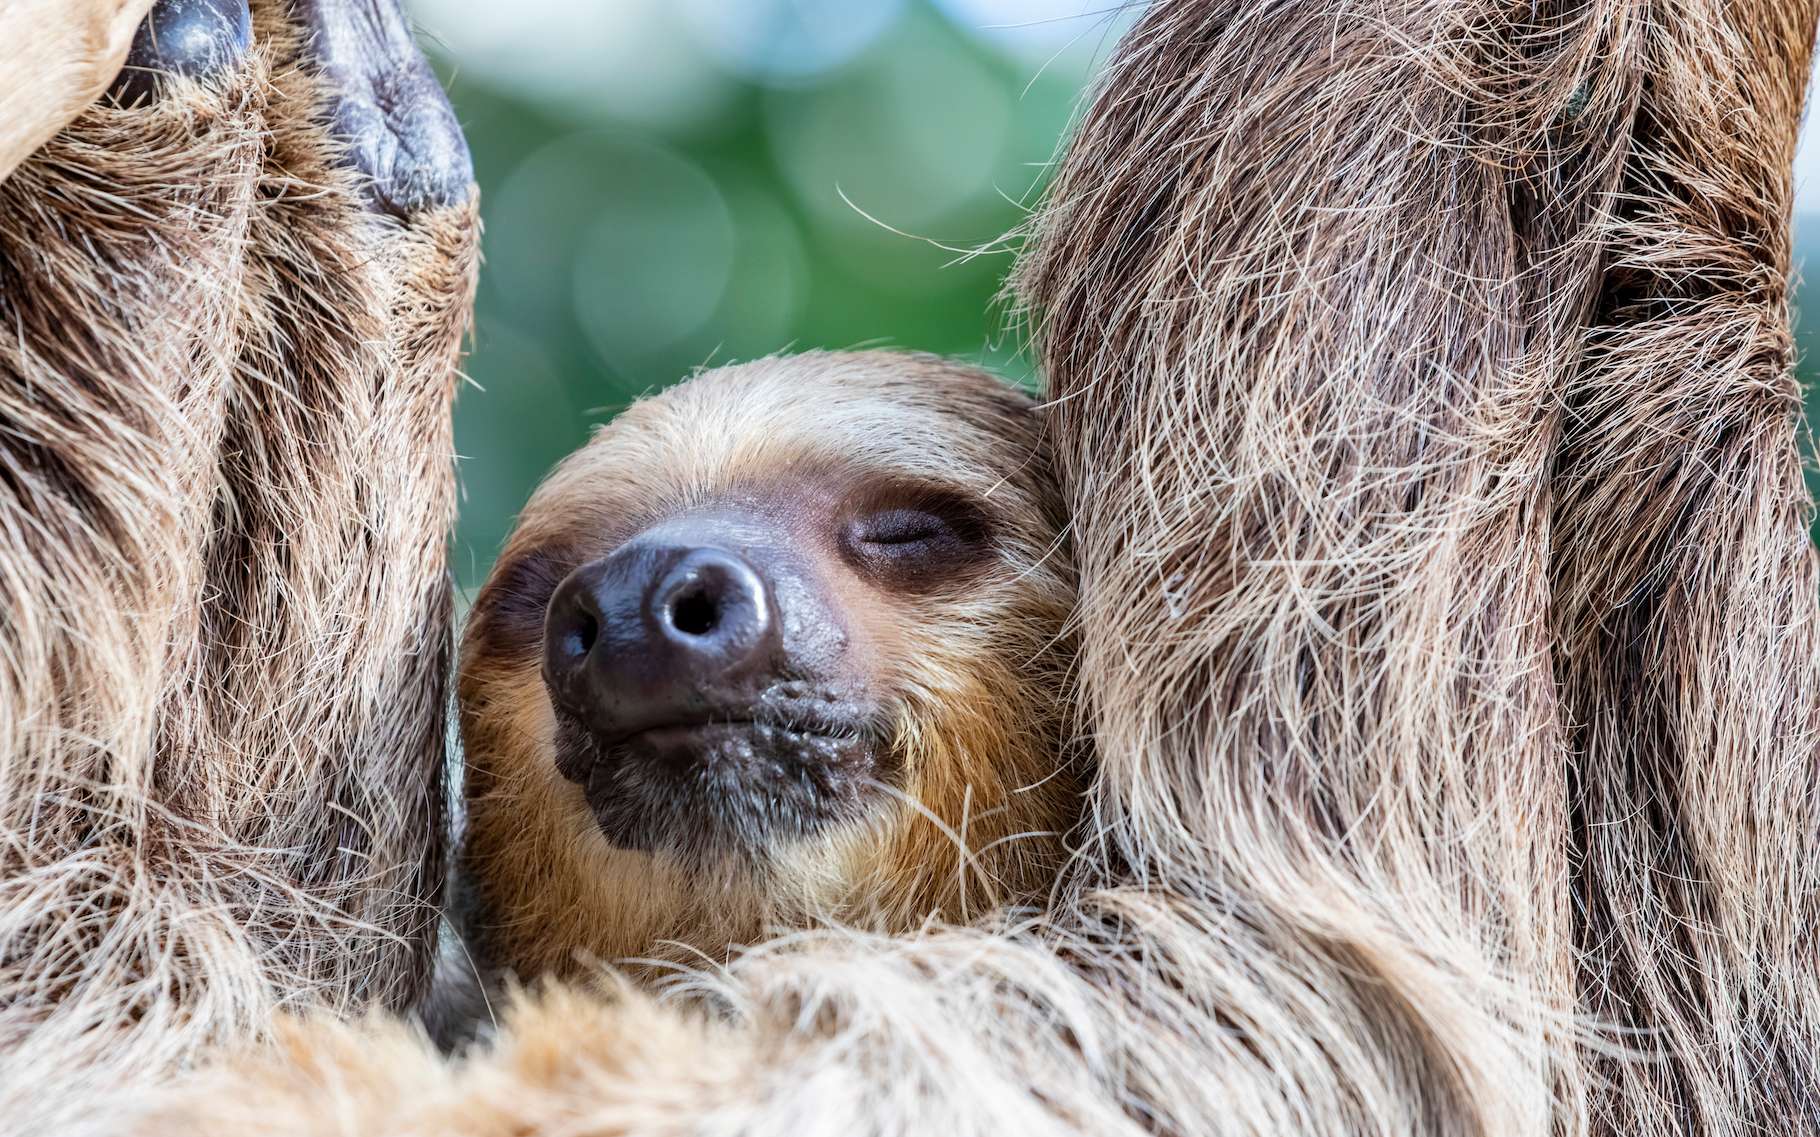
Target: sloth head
[(784, 643)]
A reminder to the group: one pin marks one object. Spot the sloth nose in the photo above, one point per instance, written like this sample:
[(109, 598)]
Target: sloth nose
[(650, 636)]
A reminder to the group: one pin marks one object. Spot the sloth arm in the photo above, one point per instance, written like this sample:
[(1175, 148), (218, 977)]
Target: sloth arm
[(56, 57), (960, 1032)]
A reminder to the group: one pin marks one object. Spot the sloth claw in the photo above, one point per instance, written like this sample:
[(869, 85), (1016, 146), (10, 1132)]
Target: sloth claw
[(193, 38), (388, 106)]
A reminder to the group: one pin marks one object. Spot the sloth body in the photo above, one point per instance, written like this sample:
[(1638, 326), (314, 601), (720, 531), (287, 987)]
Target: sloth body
[(781, 644), (1447, 619)]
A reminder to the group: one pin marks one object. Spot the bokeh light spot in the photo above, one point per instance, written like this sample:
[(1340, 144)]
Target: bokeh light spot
[(628, 237), (782, 41)]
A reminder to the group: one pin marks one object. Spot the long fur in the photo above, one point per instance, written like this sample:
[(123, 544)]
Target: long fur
[(226, 480), (117, 348), (321, 681), (1316, 273), (1684, 593), (1422, 397)]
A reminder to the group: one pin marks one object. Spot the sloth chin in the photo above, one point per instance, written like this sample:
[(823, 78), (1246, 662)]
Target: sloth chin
[(731, 789)]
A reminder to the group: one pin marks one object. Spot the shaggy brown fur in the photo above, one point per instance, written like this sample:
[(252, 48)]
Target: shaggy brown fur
[(118, 346), (325, 643), (1315, 272), (974, 674), (1417, 815), (1684, 602), (226, 483)]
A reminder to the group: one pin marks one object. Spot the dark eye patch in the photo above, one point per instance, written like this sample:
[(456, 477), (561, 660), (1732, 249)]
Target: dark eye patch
[(916, 536), (509, 612)]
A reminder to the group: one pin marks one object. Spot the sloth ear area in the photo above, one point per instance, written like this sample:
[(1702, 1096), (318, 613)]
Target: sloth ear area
[(197, 39)]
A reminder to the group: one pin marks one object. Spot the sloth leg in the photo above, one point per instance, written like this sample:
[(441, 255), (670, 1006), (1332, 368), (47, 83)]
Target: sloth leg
[(1309, 416), (317, 732), (1687, 604), (225, 484), (121, 265)]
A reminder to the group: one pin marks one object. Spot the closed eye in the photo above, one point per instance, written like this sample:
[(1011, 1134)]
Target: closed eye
[(932, 538), (898, 527)]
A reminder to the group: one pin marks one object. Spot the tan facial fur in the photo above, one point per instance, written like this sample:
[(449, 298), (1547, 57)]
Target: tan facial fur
[(969, 668)]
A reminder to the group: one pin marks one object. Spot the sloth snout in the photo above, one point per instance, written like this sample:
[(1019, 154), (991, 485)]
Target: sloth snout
[(658, 635)]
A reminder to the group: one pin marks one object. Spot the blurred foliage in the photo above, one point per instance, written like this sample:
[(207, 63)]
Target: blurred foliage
[(621, 255), (789, 207)]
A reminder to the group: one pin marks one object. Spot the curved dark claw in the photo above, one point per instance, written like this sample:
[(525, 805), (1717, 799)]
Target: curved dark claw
[(388, 105), (197, 38)]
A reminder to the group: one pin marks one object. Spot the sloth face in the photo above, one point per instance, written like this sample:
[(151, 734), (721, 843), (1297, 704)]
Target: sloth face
[(714, 678), (783, 643)]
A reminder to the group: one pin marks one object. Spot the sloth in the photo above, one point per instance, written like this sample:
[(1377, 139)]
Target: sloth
[(784, 643), (1447, 628)]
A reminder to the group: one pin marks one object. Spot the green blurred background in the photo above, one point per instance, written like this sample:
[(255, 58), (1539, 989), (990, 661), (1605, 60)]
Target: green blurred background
[(672, 183)]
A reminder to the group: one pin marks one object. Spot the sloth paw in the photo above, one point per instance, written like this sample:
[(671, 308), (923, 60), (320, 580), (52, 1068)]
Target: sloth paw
[(194, 38), (387, 104)]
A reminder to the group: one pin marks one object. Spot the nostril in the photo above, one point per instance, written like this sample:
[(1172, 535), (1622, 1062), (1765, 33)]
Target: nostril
[(694, 613), (713, 608), (575, 626), (581, 636)]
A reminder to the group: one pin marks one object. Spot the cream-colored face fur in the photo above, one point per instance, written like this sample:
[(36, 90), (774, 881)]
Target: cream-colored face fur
[(960, 790)]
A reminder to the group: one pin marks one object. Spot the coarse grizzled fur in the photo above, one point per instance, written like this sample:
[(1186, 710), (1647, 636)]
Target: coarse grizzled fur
[(1447, 631), (1490, 400), (226, 482), (1684, 592)]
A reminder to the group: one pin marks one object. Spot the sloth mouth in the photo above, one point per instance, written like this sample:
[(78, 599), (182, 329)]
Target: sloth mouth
[(699, 791), (695, 741), (687, 732)]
